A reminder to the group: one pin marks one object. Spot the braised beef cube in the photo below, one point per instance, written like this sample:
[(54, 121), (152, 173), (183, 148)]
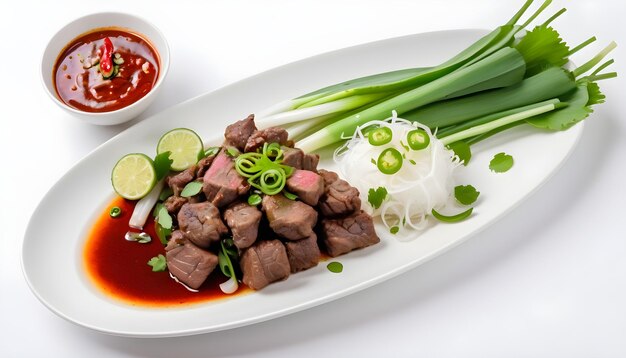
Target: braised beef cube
[(190, 264), (222, 184), (263, 263), (292, 157), (174, 203), (178, 181), (243, 221), (176, 238), (328, 176), (349, 233), (201, 223), (203, 165), (269, 135), (310, 161), (339, 198), (303, 254), (307, 185), (290, 219), (237, 134)]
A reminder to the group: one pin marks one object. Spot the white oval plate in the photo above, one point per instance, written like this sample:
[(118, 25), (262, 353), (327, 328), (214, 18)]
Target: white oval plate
[(54, 238)]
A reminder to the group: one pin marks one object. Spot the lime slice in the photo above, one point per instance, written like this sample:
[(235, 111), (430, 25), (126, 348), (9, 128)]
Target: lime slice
[(133, 176), (185, 146)]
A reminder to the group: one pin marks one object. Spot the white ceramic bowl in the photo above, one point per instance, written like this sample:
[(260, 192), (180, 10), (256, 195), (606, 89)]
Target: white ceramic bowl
[(99, 20)]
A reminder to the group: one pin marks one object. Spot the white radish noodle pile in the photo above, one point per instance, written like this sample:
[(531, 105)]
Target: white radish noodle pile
[(415, 189)]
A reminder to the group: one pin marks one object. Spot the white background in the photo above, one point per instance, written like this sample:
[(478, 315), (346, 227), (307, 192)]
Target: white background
[(549, 280)]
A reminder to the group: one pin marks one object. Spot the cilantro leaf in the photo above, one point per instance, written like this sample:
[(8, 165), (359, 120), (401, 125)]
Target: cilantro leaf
[(542, 48), (501, 163), (191, 189), (579, 102), (164, 219), (166, 193), (211, 151), (158, 263), (162, 163), (466, 194), (376, 196), (462, 150)]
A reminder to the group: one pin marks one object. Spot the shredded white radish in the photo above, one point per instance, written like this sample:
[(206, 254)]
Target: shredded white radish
[(425, 180)]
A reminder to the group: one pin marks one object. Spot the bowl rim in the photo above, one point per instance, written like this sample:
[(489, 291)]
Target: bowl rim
[(163, 56)]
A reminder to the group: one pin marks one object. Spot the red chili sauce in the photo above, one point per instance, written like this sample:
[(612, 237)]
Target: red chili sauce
[(79, 82), (120, 269)]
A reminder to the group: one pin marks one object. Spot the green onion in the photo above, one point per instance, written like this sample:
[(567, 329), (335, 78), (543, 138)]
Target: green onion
[(115, 212), (264, 170), (452, 218)]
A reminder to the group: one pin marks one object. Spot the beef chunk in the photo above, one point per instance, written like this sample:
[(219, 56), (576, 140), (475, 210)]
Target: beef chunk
[(174, 203), (303, 254), (292, 157), (308, 185), (269, 135), (339, 198), (178, 181), (310, 161), (188, 263), (349, 233), (243, 221), (203, 165), (201, 223), (237, 134), (290, 219), (263, 263), (222, 184)]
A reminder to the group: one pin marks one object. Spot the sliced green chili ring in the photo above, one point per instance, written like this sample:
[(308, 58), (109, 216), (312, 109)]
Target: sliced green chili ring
[(115, 212), (418, 139), (389, 161), (380, 136), (453, 218)]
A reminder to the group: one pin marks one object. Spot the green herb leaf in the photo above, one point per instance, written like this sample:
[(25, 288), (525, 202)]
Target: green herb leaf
[(211, 151), (254, 199), (162, 233), (164, 218), (335, 267), (376, 196), (462, 150), (466, 194), (501, 162), (162, 163), (289, 195), (394, 229), (158, 263), (157, 208), (191, 189), (453, 218), (542, 48), (166, 193), (232, 151)]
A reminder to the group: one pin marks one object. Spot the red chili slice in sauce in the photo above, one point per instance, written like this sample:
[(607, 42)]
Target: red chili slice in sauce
[(80, 84)]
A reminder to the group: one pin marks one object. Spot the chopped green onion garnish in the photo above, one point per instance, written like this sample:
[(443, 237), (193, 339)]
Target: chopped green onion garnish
[(453, 218), (115, 212), (264, 170), (380, 136), (254, 199), (394, 229), (389, 161)]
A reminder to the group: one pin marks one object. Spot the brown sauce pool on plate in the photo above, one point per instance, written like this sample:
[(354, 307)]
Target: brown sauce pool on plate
[(119, 268), (80, 84)]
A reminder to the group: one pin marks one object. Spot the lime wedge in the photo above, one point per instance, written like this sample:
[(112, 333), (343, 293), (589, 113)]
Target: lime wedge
[(133, 176), (185, 146)]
